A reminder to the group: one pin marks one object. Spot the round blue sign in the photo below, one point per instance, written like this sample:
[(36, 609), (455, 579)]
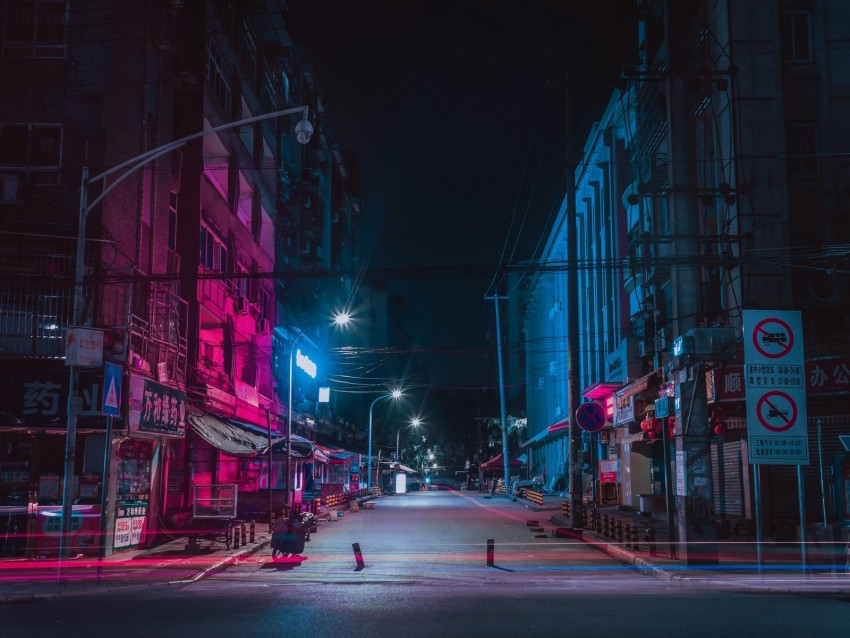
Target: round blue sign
[(590, 417)]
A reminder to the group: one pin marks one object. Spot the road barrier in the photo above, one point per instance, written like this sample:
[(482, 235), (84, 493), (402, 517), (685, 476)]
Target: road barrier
[(534, 497), (491, 552)]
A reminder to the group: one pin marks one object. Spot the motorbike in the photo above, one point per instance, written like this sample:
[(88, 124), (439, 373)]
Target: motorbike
[(290, 535)]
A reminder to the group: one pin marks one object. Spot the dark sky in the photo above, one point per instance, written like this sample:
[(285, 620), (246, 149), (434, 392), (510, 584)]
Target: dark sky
[(455, 114)]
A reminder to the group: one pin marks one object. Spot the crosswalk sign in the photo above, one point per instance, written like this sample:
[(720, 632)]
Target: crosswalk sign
[(111, 390)]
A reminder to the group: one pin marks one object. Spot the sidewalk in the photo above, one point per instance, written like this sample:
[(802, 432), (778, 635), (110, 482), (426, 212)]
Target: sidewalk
[(736, 567), (169, 564)]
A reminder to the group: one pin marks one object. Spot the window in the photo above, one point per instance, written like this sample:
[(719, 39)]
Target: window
[(240, 283), (795, 36), (34, 149), (34, 29), (213, 250), (248, 52), (172, 220), (801, 142), (218, 75)]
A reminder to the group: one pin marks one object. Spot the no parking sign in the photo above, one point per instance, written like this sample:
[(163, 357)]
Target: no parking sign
[(775, 378)]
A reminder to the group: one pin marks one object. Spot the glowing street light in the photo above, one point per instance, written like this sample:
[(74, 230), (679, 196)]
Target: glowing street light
[(305, 364), (395, 394), (414, 423)]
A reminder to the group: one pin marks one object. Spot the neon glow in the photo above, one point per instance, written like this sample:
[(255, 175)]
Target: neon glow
[(304, 362)]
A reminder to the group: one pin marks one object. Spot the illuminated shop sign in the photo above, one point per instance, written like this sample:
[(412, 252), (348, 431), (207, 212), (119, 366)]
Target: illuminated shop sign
[(304, 362)]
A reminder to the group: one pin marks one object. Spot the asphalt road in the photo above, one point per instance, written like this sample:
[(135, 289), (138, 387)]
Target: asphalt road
[(426, 574)]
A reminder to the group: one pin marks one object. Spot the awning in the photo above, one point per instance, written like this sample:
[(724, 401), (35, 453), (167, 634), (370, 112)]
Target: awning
[(227, 435), (497, 462), (536, 440), (554, 431), (245, 439), (637, 386)]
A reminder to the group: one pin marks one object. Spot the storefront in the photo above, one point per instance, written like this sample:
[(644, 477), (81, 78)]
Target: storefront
[(33, 415), (640, 454)]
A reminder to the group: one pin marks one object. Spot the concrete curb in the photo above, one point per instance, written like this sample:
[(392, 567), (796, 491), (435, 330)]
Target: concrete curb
[(194, 578)]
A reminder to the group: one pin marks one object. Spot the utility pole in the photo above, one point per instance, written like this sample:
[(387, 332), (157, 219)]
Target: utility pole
[(505, 451), (697, 531), (573, 394)]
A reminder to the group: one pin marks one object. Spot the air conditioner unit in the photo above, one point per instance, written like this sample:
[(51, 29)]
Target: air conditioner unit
[(10, 190), (263, 325), (241, 304)]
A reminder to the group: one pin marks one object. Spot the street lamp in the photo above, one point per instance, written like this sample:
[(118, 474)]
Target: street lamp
[(303, 132), (395, 394), (414, 423), (340, 319), (289, 426)]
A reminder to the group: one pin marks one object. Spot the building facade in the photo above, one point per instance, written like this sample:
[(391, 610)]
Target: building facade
[(711, 185), (189, 252)]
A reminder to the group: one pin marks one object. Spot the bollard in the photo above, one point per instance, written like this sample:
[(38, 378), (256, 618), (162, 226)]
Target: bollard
[(244, 534), (649, 537), (358, 556), (618, 528), (596, 525), (635, 543), (606, 527), (491, 551), (627, 535), (251, 532), (235, 537)]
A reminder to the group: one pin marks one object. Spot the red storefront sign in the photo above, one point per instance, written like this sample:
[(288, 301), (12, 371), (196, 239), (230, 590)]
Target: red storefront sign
[(825, 376)]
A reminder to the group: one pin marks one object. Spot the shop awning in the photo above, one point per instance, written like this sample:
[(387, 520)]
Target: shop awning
[(554, 431), (637, 386), (227, 435), (497, 463)]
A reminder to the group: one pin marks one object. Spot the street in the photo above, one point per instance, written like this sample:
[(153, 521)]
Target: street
[(425, 574)]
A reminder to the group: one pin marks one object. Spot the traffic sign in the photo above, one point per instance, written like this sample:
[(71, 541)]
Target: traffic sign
[(773, 336), (111, 389), (590, 417), (775, 378), (777, 411)]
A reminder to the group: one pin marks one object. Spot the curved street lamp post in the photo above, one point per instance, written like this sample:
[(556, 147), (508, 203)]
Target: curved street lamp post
[(395, 394), (415, 423)]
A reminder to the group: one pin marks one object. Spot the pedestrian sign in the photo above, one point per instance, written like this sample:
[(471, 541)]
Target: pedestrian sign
[(111, 390), (775, 378)]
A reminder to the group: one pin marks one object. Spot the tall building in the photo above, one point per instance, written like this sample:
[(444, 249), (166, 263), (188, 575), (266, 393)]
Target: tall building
[(114, 138), (712, 185)]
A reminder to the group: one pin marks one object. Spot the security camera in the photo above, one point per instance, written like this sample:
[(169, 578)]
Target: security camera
[(303, 131)]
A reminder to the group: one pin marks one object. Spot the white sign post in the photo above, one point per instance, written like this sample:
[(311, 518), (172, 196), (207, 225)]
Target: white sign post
[(777, 422), (775, 378)]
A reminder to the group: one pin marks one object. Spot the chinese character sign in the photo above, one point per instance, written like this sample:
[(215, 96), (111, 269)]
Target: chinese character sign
[(156, 408)]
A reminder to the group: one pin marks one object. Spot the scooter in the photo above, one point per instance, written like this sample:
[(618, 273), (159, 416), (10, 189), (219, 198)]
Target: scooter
[(289, 536)]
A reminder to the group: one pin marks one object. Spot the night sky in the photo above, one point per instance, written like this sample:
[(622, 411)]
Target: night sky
[(455, 113)]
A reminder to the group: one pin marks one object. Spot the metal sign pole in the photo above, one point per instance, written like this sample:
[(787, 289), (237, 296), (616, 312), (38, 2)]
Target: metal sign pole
[(801, 496), (757, 490), (104, 501)]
